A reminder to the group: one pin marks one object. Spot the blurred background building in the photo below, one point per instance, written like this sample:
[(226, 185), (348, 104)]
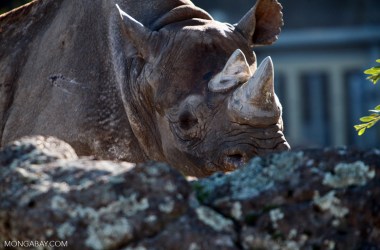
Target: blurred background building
[(319, 59)]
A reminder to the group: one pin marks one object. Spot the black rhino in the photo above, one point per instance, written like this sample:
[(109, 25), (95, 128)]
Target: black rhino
[(142, 80)]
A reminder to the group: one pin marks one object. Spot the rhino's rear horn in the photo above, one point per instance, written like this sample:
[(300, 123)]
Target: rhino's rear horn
[(141, 37), (236, 71), (255, 102)]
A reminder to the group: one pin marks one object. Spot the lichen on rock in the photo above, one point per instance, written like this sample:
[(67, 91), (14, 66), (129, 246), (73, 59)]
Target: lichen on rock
[(276, 215), (256, 177), (36, 150), (329, 202), (213, 219), (346, 174)]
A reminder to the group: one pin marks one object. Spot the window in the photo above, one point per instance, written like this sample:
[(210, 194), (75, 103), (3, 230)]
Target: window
[(315, 108)]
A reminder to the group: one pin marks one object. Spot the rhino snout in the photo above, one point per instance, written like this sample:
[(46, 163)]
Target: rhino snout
[(238, 155)]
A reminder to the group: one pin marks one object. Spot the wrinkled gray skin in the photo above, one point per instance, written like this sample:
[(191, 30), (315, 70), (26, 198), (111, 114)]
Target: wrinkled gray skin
[(151, 89)]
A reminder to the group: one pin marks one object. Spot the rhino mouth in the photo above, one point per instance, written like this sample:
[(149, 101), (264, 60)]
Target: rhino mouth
[(233, 160), (237, 156)]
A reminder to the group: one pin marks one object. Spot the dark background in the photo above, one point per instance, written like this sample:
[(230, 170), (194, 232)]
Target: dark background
[(6, 5), (300, 14)]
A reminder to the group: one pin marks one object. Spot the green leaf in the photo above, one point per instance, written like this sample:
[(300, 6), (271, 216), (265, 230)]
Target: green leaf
[(367, 118), (374, 73), (361, 131), (372, 119), (371, 124), (360, 126), (373, 70), (374, 78)]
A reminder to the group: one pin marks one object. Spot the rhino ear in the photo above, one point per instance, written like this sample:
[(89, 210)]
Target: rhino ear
[(262, 24), (143, 39)]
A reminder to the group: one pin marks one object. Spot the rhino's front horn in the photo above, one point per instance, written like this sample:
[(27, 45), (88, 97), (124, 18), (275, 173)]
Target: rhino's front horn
[(255, 102)]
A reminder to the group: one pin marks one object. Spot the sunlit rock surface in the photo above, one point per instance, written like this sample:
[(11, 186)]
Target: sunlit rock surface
[(314, 199)]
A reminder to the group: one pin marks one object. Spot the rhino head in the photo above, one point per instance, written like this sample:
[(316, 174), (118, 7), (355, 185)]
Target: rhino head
[(210, 107)]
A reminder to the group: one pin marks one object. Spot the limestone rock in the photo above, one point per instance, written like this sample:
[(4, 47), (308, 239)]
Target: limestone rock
[(313, 199), (48, 194)]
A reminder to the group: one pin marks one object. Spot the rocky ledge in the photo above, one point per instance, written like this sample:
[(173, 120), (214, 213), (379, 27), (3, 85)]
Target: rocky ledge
[(314, 199)]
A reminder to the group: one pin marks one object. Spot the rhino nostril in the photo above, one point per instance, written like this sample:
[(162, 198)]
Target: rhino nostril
[(235, 157), (233, 161)]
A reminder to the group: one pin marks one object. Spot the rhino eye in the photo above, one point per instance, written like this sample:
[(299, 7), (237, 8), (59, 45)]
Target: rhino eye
[(187, 120)]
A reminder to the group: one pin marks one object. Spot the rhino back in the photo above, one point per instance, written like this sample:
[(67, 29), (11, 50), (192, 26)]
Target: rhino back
[(15, 29), (61, 78)]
